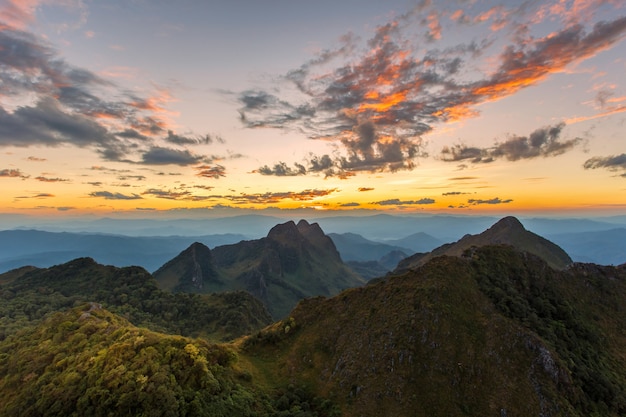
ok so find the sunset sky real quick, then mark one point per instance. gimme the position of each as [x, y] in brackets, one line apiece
[137, 107]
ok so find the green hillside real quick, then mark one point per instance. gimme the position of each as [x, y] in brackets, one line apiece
[29, 294]
[90, 362]
[494, 332]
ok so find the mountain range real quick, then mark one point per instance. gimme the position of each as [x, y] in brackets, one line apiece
[499, 323]
[291, 263]
[150, 243]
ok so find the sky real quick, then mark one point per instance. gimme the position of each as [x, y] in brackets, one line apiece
[186, 108]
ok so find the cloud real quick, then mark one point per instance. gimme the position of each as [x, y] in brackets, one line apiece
[374, 105]
[36, 159]
[542, 142]
[496, 200]
[72, 105]
[131, 177]
[170, 195]
[350, 205]
[208, 171]
[39, 195]
[107, 195]
[282, 170]
[363, 189]
[12, 173]
[453, 193]
[158, 155]
[189, 140]
[46, 179]
[398, 202]
[612, 163]
[276, 197]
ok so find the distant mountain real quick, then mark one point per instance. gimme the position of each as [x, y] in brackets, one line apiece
[29, 294]
[495, 333]
[417, 242]
[44, 249]
[507, 231]
[605, 247]
[354, 247]
[291, 263]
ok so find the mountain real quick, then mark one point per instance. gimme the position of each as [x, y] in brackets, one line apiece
[417, 242]
[495, 333]
[354, 247]
[492, 331]
[604, 247]
[44, 249]
[88, 361]
[29, 294]
[507, 231]
[292, 262]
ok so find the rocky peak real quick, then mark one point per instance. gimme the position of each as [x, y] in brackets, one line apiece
[310, 230]
[284, 232]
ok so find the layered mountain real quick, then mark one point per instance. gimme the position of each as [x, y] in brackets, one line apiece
[292, 262]
[45, 249]
[507, 231]
[29, 294]
[497, 332]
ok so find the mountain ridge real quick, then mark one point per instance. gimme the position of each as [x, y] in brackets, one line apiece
[292, 262]
[507, 231]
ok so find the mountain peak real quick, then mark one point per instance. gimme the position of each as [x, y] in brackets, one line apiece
[507, 231]
[288, 231]
[312, 230]
[509, 223]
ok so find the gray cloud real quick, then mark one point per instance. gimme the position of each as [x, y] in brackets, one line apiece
[496, 200]
[158, 155]
[12, 173]
[542, 142]
[612, 163]
[71, 108]
[208, 171]
[107, 195]
[398, 202]
[282, 170]
[191, 140]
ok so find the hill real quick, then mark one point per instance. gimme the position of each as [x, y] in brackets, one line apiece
[29, 294]
[508, 231]
[90, 362]
[493, 332]
[291, 263]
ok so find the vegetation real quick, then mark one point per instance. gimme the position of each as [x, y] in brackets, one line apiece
[569, 311]
[494, 332]
[130, 292]
[89, 362]
[489, 331]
